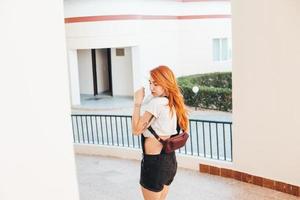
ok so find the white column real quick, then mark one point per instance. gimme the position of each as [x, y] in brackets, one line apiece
[74, 77]
[266, 84]
[138, 80]
[36, 145]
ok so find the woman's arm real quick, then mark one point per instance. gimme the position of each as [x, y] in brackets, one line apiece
[139, 123]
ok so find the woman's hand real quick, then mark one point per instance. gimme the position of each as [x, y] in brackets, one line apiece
[139, 95]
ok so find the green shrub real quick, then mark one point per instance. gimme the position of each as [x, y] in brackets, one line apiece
[216, 79]
[214, 90]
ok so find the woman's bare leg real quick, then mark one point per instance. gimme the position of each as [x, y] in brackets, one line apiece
[149, 195]
[164, 193]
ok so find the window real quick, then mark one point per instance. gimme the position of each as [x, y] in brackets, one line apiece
[221, 49]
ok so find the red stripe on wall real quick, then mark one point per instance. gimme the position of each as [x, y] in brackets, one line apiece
[158, 17]
[139, 17]
[204, 16]
[101, 18]
[200, 0]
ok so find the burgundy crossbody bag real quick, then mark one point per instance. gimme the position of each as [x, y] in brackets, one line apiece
[174, 142]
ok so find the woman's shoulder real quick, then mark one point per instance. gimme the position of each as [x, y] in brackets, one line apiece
[160, 100]
[156, 105]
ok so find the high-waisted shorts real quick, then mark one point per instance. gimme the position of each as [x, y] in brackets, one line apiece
[157, 171]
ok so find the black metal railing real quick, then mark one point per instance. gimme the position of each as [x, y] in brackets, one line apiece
[209, 139]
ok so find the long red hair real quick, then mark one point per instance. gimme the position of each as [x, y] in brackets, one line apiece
[164, 77]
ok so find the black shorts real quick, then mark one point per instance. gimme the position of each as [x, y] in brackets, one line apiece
[157, 171]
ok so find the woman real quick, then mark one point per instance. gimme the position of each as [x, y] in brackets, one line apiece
[163, 112]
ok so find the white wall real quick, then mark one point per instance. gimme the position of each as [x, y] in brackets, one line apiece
[196, 45]
[73, 77]
[75, 8]
[85, 71]
[158, 45]
[36, 148]
[122, 80]
[103, 34]
[266, 68]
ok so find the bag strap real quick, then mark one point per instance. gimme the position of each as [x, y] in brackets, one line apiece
[157, 137]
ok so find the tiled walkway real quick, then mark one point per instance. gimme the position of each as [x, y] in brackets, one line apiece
[107, 178]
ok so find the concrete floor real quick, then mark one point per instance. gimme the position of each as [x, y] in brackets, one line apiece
[104, 104]
[108, 178]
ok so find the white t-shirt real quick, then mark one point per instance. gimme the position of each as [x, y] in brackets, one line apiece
[164, 124]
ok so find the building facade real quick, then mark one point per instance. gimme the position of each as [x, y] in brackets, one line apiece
[128, 38]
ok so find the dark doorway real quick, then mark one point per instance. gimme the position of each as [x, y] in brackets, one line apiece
[97, 78]
[94, 66]
[110, 90]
